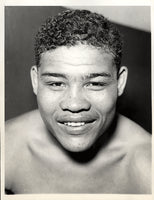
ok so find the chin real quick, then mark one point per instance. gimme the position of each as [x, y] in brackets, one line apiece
[77, 147]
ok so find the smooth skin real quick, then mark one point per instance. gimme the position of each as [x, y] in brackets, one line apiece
[76, 142]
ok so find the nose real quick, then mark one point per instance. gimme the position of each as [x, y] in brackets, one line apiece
[75, 101]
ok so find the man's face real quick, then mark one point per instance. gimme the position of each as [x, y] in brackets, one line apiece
[77, 93]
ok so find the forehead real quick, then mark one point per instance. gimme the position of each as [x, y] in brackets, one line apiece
[80, 56]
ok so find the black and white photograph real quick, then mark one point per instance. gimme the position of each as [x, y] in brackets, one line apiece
[78, 100]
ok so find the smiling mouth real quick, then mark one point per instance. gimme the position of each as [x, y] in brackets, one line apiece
[76, 124]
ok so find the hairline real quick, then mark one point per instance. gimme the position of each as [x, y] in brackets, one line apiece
[99, 48]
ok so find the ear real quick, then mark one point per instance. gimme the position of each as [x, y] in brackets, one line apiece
[34, 78]
[122, 79]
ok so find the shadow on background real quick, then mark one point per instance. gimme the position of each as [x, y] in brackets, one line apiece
[21, 25]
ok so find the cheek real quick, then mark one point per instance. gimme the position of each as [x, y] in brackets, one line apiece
[104, 101]
[47, 100]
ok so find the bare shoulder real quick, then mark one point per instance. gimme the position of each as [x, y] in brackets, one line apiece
[140, 167]
[19, 129]
[22, 128]
[21, 121]
[138, 140]
[139, 154]
[133, 131]
[17, 133]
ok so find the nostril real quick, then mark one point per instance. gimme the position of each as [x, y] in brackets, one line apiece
[75, 105]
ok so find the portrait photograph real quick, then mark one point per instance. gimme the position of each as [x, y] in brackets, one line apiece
[77, 101]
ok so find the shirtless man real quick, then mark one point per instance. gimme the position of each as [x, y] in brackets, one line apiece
[76, 142]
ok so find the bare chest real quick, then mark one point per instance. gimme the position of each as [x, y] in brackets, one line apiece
[39, 178]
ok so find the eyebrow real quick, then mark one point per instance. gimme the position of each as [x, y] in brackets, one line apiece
[48, 74]
[87, 76]
[94, 75]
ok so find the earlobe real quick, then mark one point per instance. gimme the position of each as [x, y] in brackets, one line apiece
[34, 78]
[122, 79]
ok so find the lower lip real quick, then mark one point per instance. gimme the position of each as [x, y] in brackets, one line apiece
[77, 130]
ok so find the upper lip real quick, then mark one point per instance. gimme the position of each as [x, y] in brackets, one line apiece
[86, 119]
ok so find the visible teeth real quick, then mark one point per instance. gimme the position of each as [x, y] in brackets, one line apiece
[74, 123]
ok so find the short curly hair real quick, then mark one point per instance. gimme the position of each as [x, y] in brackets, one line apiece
[73, 27]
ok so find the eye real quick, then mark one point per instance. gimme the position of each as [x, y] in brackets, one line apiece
[56, 85]
[95, 85]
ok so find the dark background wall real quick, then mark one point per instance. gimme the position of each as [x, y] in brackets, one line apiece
[21, 25]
